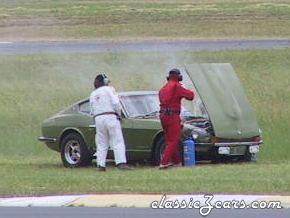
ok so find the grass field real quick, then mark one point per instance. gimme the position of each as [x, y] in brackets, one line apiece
[133, 19]
[33, 87]
[39, 177]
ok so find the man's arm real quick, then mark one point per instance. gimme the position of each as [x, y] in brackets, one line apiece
[91, 105]
[185, 93]
[115, 101]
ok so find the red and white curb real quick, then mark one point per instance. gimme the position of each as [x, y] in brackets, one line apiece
[132, 200]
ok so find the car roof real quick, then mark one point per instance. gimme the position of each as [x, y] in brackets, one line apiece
[128, 93]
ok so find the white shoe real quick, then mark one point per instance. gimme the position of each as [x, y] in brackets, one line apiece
[166, 166]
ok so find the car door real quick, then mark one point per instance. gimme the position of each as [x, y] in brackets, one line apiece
[89, 130]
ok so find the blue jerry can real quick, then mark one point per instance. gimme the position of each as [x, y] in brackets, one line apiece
[188, 152]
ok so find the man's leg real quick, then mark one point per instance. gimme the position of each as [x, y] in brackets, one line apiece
[166, 122]
[172, 137]
[166, 152]
[176, 148]
[117, 140]
[102, 141]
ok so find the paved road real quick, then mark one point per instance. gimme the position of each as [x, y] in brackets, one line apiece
[152, 46]
[70, 212]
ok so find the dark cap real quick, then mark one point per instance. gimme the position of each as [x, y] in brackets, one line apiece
[101, 80]
[174, 71]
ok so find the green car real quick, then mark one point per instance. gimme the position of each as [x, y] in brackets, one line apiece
[220, 120]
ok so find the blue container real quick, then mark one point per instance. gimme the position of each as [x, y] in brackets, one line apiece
[189, 152]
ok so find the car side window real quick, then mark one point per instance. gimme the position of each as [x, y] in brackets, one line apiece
[85, 107]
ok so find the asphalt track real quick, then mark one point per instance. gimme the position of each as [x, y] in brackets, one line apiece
[73, 212]
[139, 46]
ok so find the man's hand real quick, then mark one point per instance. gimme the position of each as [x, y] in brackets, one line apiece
[119, 117]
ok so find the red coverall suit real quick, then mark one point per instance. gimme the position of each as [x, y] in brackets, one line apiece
[170, 97]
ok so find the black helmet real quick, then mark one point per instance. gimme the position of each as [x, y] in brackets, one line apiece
[176, 72]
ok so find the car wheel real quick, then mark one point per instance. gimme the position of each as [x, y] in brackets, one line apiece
[220, 159]
[158, 150]
[74, 152]
[248, 157]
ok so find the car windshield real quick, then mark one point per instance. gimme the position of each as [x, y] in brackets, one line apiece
[140, 105]
[147, 105]
[84, 107]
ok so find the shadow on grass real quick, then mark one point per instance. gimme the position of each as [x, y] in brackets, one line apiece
[57, 165]
[32, 165]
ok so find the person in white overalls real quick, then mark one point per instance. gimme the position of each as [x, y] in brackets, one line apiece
[106, 109]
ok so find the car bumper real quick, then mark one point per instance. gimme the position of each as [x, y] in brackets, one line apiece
[46, 139]
[237, 143]
[238, 148]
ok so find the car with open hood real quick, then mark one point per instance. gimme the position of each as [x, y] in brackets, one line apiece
[220, 120]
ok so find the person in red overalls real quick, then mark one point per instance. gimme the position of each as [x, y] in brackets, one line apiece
[170, 97]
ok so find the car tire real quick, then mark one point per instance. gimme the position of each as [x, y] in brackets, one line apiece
[216, 160]
[158, 150]
[74, 152]
[248, 157]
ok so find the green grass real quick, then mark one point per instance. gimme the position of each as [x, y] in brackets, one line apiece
[34, 87]
[75, 19]
[38, 177]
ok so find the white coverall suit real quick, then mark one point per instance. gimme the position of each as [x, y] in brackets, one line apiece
[108, 127]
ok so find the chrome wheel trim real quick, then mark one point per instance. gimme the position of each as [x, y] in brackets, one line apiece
[72, 152]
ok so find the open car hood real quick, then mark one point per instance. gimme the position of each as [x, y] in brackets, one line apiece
[225, 101]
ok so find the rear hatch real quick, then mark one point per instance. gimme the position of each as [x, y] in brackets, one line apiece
[228, 108]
